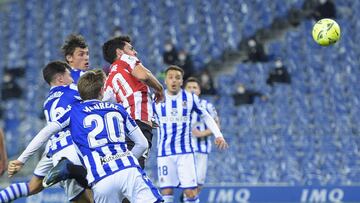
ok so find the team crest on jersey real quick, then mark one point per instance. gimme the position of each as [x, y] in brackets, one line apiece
[173, 112]
[113, 68]
[184, 104]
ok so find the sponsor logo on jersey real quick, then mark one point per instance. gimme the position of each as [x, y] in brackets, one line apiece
[108, 158]
[174, 119]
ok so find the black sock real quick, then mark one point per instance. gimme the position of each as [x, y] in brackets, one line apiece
[78, 173]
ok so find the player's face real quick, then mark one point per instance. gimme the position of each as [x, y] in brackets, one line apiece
[129, 49]
[173, 81]
[193, 87]
[79, 59]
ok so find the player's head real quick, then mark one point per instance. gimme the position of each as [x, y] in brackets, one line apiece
[192, 84]
[76, 52]
[174, 79]
[57, 73]
[90, 85]
[115, 47]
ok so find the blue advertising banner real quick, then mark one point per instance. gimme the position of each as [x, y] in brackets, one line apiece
[279, 194]
[241, 194]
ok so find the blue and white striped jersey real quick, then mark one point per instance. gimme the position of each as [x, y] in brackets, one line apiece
[76, 74]
[174, 116]
[98, 130]
[203, 144]
[55, 105]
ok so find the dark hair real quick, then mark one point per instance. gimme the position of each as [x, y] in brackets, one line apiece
[90, 84]
[53, 68]
[72, 42]
[192, 79]
[109, 47]
[174, 67]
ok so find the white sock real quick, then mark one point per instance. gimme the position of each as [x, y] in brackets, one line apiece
[191, 200]
[168, 198]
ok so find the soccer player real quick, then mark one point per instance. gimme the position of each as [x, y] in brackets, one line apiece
[3, 153]
[62, 93]
[98, 129]
[200, 132]
[176, 163]
[76, 54]
[128, 84]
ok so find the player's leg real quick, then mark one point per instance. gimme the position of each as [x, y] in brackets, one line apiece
[167, 176]
[139, 187]
[82, 198]
[67, 165]
[64, 170]
[131, 183]
[34, 186]
[201, 160]
[74, 191]
[147, 131]
[18, 190]
[108, 189]
[191, 195]
[187, 177]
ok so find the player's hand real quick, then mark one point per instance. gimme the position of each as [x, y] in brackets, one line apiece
[221, 143]
[159, 96]
[14, 167]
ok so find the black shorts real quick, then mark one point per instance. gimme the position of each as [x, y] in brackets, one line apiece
[147, 131]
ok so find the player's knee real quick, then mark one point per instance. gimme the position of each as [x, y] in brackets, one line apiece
[191, 193]
[84, 197]
[166, 191]
[35, 185]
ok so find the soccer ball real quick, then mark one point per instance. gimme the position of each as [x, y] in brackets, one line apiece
[326, 32]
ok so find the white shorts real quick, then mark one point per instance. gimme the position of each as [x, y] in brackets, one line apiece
[70, 153]
[44, 165]
[201, 160]
[177, 171]
[131, 183]
[71, 186]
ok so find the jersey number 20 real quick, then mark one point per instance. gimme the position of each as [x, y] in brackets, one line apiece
[108, 122]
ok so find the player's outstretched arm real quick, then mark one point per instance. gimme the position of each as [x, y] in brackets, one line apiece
[199, 133]
[212, 125]
[220, 142]
[204, 133]
[41, 138]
